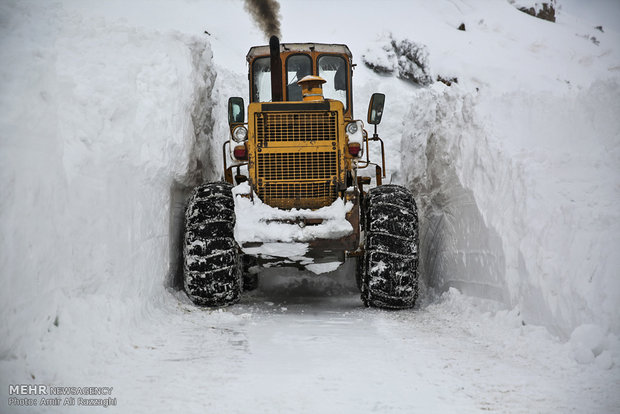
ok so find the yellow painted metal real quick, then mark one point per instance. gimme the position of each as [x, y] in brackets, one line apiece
[311, 89]
[297, 157]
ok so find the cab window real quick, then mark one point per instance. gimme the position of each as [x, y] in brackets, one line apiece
[261, 80]
[334, 70]
[297, 66]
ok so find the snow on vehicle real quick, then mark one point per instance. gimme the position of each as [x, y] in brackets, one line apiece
[291, 192]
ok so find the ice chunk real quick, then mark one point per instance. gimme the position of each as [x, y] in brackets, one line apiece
[318, 268]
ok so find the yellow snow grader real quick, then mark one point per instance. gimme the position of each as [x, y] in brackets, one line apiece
[299, 186]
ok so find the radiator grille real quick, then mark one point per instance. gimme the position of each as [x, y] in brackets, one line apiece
[312, 126]
[302, 174]
[299, 195]
[297, 165]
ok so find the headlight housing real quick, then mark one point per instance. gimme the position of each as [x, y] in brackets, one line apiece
[352, 128]
[240, 133]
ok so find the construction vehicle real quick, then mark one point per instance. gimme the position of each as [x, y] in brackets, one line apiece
[299, 186]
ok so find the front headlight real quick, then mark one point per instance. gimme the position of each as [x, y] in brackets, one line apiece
[240, 133]
[351, 128]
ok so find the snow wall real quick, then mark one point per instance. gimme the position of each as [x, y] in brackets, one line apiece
[518, 199]
[103, 126]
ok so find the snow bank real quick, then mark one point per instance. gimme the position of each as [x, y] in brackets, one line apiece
[515, 166]
[101, 125]
[519, 196]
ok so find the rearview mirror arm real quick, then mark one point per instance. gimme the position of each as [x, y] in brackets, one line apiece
[375, 137]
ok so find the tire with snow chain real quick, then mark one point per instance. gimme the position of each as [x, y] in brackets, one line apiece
[388, 270]
[211, 259]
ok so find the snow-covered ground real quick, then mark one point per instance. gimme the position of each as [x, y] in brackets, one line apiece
[110, 111]
[297, 350]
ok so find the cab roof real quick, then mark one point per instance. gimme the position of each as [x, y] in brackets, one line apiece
[299, 47]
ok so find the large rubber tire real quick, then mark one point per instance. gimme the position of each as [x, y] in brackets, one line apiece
[212, 270]
[389, 266]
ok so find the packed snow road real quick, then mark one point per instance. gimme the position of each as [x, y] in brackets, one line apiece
[308, 347]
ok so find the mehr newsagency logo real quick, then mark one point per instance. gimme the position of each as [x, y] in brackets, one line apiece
[50, 395]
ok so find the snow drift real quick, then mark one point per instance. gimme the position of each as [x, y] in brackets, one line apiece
[526, 213]
[101, 124]
[515, 165]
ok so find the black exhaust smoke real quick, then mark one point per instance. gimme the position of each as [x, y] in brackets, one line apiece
[266, 14]
[276, 69]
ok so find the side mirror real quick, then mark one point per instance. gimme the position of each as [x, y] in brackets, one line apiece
[236, 110]
[375, 108]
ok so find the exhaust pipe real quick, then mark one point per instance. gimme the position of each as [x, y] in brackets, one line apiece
[276, 69]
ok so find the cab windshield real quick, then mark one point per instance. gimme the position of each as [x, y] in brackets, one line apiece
[332, 68]
[297, 67]
[261, 80]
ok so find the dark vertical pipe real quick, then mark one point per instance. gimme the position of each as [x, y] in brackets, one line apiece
[276, 69]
